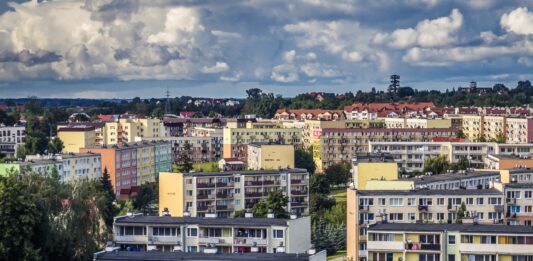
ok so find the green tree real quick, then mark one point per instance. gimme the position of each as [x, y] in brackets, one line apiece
[462, 164]
[148, 195]
[184, 163]
[55, 146]
[339, 173]
[461, 213]
[436, 165]
[304, 159]
[107, 199]
[275, 201]
[319, 184]
[336, 214]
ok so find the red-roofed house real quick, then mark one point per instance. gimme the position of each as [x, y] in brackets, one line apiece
[312, 114]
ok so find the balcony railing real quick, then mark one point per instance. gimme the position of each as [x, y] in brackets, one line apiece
[202, 208]
[166, 239]
[298, 192]
[298, 204]
[296, 181]
[253, 183]
[422, 246]
[139, 238]
[255, 194]
[422, 208]
[205, 185]
[249, 241]
[210, 240]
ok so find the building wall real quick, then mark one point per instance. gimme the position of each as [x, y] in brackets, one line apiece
[352, 226]
[108, 161]
[363, 172]
[171, 193]
[74, 140]
[298, 235]
[271, 157]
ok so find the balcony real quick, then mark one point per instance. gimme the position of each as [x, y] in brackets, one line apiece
[249, 241]
[202, 208]
[298, 204]
[499, 208]
[255, 194]
[222, 207]
[132, 239]
[396, 246]
[270, 182]
[364, 208]
[296, 181]
[253, 183]
[205, 185]
[511, 201]
[298, 192]
[166, 239]
[493, 248]
[211, 240]
[223, 184]
[422, 247]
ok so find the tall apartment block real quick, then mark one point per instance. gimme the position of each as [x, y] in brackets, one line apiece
[132, 164]
[202, 149]
[11, 137]
[223, 193]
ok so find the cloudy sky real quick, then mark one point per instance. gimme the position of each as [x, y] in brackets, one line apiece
[214, 48]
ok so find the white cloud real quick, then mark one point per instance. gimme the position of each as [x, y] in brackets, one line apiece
[427, 33]
[318, 70]
[217, 68]
[352, 56]
[285, 73]
[288, 57]
[519, 21]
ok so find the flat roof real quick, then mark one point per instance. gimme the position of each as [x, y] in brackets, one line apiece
[451, 177]
[129, 145]
[246, 172]
[465, 228]
[373, 157]
[430, 192]
[519, 185]
[172, 256]
[169, 220]
[393, 130]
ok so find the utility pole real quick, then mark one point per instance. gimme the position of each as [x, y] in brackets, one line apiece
[167, 105]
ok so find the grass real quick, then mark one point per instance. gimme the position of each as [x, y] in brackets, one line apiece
[339, 195]
[337, 255]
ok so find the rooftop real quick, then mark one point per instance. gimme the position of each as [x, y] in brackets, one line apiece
[422, 180]
[168, 256]
[373, 157]
[168, 220]
[519, 185]
[394, 130]
[246, 172]
[465, 228]
[128, 145]
[428, 192]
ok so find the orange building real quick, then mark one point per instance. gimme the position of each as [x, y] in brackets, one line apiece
[508, 162]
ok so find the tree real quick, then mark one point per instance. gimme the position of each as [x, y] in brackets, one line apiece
[304, 159]
[318, 203]
[462, 164]
[318, 184]
[107, 206]
[275, 201]
[461, 213]
[339, 173]
[336, 214]
[55, 146]
[436, 165]
[148, 194]
[184, 161]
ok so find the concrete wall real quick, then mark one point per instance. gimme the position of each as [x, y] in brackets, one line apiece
[364, 172]
[74, 140]
[299, 235]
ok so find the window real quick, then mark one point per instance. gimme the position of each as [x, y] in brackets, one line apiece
[411, 202]
[192, 249]
[479, 201]
[382, 202]
[192, 232]
[398, 202]
[451, 239]
[440, 216]
[237, 191]
[189, 193]
[440, 201]
[488, 239]
[381, 237]
[277, 233]
[467, 239]
[527, 194]
[132, 231]
[164, 231]
[428, 257]
[495, 201]
[237, 202]
[451, 257]
[522, 258]
[411, 216]
[469, 201]
[366, 202]
[513, 194]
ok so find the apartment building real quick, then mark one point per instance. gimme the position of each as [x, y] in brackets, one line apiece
[413, 123]
[372, 166]
[11, 137]
[393, 241]
[132, 164]
[519, 203]
[177, 127]
[127, 130]
[309, 114]
[213, 235]
[341, 144]
[199, 149]
[270, 156]
[41, 166]
[508, 162]
[519, 130]
[112, 254]
[367, 207]
[236, 140]
[412, 155]
[223, 193]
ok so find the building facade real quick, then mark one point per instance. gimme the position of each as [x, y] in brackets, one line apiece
[11, 137]
[270, 156]
[223, 193]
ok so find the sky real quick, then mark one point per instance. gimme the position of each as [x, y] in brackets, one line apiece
[213, 48]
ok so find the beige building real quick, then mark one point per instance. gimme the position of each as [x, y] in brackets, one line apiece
[132, 130]
[76, 137]
[270, 156]
[393, 123]
[224, 193]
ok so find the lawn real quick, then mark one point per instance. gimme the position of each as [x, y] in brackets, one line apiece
[339, 195]
[341, 253]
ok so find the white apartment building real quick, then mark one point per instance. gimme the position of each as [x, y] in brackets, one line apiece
[11, 137]
[73, 166]
[212, 235]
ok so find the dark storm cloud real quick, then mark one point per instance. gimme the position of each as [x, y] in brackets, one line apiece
[28, 58]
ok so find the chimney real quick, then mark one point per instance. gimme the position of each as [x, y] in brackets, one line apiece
[270, 213]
